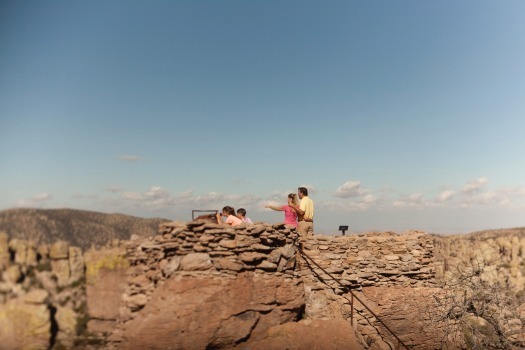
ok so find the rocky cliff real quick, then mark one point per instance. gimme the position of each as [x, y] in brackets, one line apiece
[197, 285]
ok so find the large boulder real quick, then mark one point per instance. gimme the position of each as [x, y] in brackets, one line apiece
[76, 264]
[66, 320]
[200, 313]
[59, 250]
[24, 325]
[105, 282]
[4, 250]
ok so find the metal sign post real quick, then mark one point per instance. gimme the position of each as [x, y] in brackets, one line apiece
[343, 228]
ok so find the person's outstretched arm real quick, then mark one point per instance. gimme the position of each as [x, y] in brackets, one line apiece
[274, 207]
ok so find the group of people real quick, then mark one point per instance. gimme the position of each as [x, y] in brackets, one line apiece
[228, 213]
[299, 214]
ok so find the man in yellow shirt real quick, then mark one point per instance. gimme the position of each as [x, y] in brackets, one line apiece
[305, 214]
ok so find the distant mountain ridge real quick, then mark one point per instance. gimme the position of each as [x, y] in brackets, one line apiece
[80, 228]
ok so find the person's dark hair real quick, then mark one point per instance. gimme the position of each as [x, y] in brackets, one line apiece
[303, 190]
[241, 211]
[229, 210]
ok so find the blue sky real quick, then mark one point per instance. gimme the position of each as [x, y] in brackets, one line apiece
[396, 114]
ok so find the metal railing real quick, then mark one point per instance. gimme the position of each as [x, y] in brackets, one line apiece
[202, 211]
[351, 300]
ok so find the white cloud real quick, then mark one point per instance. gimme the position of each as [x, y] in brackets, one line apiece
[474, 186]
[344, 207]
[495, 198]
[474, 193]
[157, 192]
[160, 199]
[37, 200]
[413, 200]
[369, 199]
[349, 189]
[446, 196]
[129, 158]
[186, 194]
[155, 198]
[366, 202]
[132, 196]
[42, 197]
[349, 197]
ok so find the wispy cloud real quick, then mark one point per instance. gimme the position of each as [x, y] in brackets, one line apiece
[37, 200]
[475, 193]
[474, 186]
[349, 197]
[495, 198]
[446, 196]
[369, 199]
[352, 197]
[367, 202]
[350, 189]
[155, 198]
[129, 158]
[413, 200]
[158, 199]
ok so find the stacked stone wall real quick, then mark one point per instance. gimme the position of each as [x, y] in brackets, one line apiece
[101, 290]
[200, 248]
[372, 259]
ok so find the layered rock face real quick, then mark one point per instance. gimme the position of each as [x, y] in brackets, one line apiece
[207, 285]
[502, 254]
[106, 281]
[408, 312]
[25, 322]
[489, 268]
[334, 334]
[53, 295]
[199, 285]
[201, 313]
[42, 298]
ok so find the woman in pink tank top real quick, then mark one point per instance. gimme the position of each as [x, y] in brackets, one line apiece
[290, 216]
